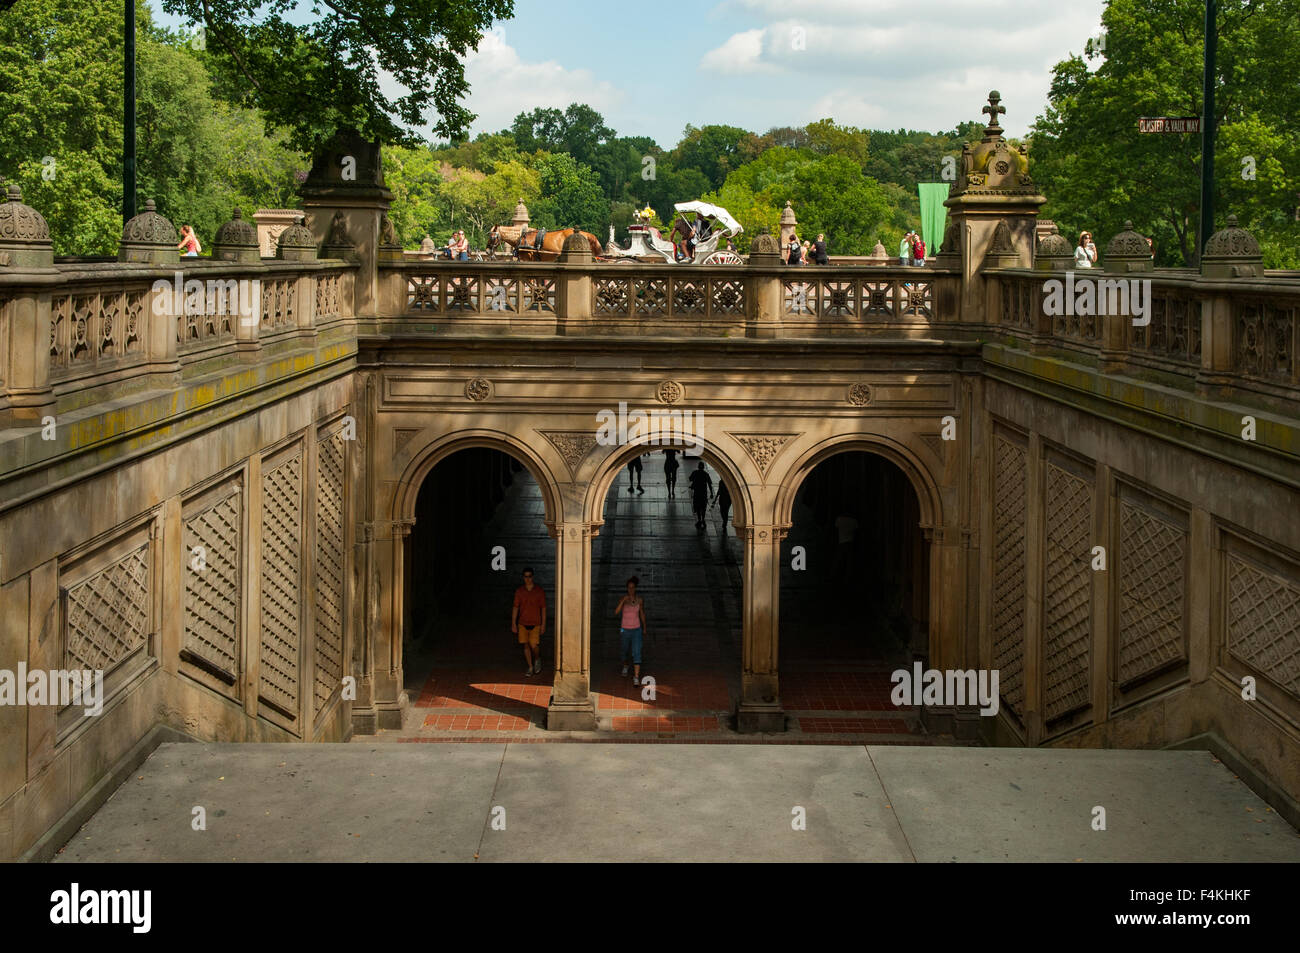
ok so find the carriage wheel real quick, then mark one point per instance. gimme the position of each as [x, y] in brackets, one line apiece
[723, 258]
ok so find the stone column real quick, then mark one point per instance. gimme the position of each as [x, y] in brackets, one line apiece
[763, 290]
[760, 698]
[1230, 253]
[347, 180]
[25, 246]
[572, 708]
[574, 289]
[788, 225]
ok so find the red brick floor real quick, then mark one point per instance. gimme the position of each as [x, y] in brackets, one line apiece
[466, 681]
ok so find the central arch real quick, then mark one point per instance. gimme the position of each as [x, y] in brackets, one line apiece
[693, 581]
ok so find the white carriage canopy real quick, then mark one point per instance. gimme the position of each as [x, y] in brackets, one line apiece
[715, 212]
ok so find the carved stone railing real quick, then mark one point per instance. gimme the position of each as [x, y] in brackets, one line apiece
[687, 300]
[79, 330]
[1240, 333]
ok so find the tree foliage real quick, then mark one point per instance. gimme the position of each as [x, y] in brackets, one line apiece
[1097, 169]
[325, 74]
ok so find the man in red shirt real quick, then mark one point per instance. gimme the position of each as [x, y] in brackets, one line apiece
[528, 620]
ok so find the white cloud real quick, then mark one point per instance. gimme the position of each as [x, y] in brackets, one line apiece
[887, 65]
[502, 85]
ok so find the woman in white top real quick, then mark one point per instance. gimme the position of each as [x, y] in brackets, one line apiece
[1085, 253]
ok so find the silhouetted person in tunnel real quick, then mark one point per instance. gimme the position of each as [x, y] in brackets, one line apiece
[670, 471]
[701, 491]
[724, 504]
[634, 475]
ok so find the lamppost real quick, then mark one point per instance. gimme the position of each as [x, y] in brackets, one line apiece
[128, 117]
[1207, 126]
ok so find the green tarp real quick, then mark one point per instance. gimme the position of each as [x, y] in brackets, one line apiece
[934, 216]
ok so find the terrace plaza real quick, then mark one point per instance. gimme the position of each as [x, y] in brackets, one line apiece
[304, 521]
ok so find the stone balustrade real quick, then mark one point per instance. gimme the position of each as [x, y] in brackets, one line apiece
[1240, 332]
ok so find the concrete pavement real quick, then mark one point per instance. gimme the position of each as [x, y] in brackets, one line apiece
[554, 802]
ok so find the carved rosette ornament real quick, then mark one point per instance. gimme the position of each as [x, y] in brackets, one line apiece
[763, 448]
[1232, 253]
[24, 234]
[860, 394]
[670, 392]
[572, 445]
[478, 388]
[149, 238]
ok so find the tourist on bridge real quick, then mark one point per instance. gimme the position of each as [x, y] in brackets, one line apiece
[670, 471]
[1085, 254]
[701, 492]
[796, 253]
[634, 475]
[190, 242]
[528, 621]
[630, 612]
[819, 249]
[905, 249]
[918, 250]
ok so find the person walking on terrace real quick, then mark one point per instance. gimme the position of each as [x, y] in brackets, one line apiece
[701, 491]
[634, 475]
[528, 621]
[670, 472]
[905, 249]
[630, 612]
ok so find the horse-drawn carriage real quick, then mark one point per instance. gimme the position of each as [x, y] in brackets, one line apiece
[688, 242]
[691, 241]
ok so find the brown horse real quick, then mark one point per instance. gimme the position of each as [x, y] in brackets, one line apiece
[522, 240]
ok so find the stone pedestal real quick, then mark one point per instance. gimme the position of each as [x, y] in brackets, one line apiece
[270, 223]
[345, 194]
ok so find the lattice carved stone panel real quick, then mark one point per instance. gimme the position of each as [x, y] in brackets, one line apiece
[1067, 596]
[1152, 591]
[281, 614]
[213, 586]
[108, 614]
[331, 566]
[1264, 620]
[1010, 500]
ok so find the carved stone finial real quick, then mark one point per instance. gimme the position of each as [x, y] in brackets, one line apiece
[236, 240]
[1232, 252]
[24, 234]
[1127, 251]
[993, 110]
[787, 214]
[296, 243]
[149, 238]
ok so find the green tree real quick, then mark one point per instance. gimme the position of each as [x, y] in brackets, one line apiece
[1097, 170]
[570, 195]
[331, 71]
[713, 150]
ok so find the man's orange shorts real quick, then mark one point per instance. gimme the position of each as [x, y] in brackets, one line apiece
[530, 634]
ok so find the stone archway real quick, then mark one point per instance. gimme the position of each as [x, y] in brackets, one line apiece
[387, 570]
[705, 619]
[928, 497]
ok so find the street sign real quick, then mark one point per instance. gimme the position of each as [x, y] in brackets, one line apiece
[1169, 124]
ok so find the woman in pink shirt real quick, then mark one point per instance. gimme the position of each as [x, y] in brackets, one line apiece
[190, 242]
[630, 612]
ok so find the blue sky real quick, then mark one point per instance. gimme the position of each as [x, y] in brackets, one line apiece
[651, 68]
